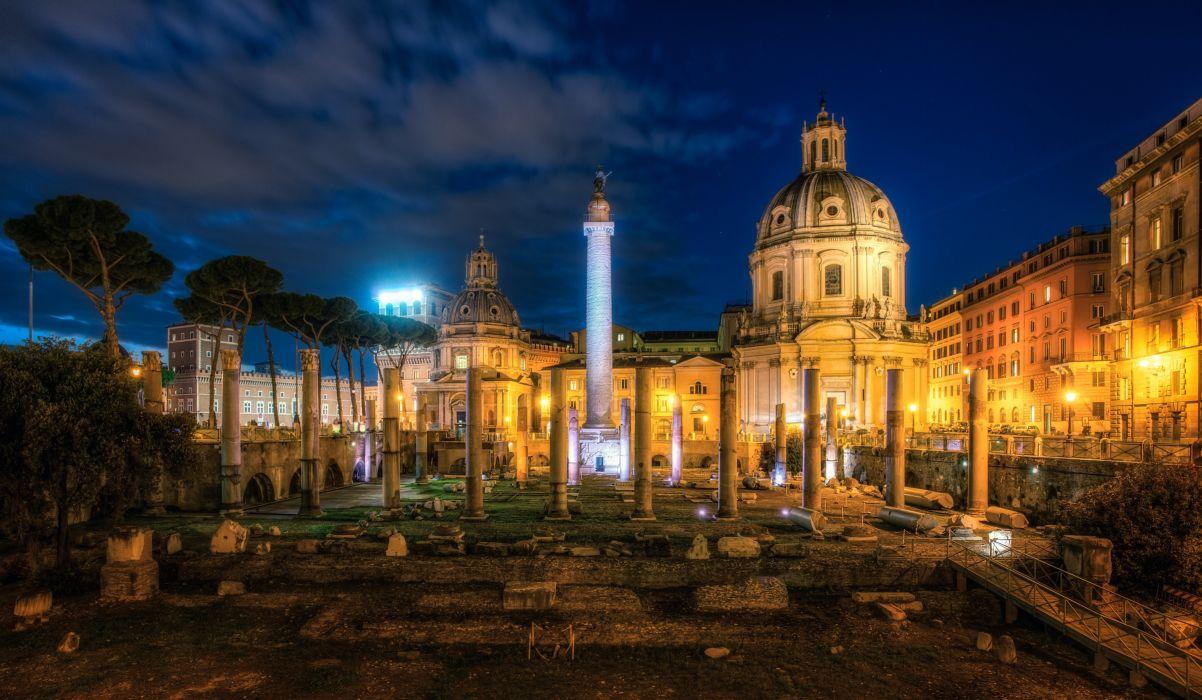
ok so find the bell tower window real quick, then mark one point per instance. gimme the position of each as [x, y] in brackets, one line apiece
[826, 151]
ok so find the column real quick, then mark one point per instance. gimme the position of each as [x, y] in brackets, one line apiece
[781, 436]
[643, 509]
[521, 450]
[895, 440]
[677, 441]
[369, 440]
[978, 444]
[152, 390]
[811, 455]
[231, 434]
[728, 434]
[421, 473]
[853, 403]
[473, 505]
[832, 448]
[310, 415]
[599, 316]
[557, 503]
[868, 414]
[573, 448]
[392, 440]
[624, 457]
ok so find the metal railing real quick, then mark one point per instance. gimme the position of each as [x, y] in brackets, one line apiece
[1040, 446]
[1125, 630]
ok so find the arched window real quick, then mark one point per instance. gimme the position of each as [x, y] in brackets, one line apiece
[833, 280]
[778, 285]
[813, 153]
[402, 309]
[826, 151]
[431, 308]
[697, 388]
[388, 309]
[498, 358]
[886, 282]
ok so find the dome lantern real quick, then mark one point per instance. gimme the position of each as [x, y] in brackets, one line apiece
[481, 267]
[823, 143]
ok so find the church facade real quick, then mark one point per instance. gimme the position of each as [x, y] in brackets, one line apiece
[828, 276]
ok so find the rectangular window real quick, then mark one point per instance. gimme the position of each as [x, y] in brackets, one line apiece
[573, 385]
[1099, 410]
[1177, 228]
[1156, 177]
[246, 407]
[1014, 335]
[1097, 310]
[258, 407]
[1047, 293]
[461, 362]
[1063, 288]
[1177, 161]
[1098, 282]
[1001, 313]
[1154, 233]
[833, 280]
[698, 424]
[623, 383]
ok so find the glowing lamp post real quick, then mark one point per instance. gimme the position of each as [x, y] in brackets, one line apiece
[1069, 397]
[705, 427]
[913, 417]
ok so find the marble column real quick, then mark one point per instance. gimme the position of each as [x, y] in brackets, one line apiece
[895, 440]
[869, 413]
[599, 232]
[392, 440]
[369, 440]
[421, 448]
[728, 435]
[811, 448]
[231, 434]
[643, 509]
[573, 448]
[832, 430]
[557, 503]
[677, 442]
[473, 505]
[310, 432]
[624, 457]
[152, 391]
[521, 448]
[856, 386]
[781, 436]
[978, 444]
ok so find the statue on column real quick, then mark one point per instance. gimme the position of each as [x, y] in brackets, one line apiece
[599, 179]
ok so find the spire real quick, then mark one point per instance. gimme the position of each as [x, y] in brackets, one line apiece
[481, 267]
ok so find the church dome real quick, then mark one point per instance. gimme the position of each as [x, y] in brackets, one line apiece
[481, 301]
[825, 198]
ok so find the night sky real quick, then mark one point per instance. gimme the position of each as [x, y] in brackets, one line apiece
[363, 145]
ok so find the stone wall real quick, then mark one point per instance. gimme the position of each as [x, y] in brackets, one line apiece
[1037, 486]
[274, 462]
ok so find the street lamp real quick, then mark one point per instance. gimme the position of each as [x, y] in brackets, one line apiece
[705, 427]
[1070, 397]
[843, 418]
[913, 417]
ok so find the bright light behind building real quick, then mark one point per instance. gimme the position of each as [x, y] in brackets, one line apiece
[407, 295]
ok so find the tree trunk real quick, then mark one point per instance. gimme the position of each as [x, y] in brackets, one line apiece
[62, 545]
[362, 388]
[337, 365]
[275, 395]
[350, 378]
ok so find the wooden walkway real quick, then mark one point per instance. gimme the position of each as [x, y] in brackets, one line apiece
[1120, 629]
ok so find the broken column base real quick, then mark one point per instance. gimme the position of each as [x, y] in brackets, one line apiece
[811, 520]
[129, 580]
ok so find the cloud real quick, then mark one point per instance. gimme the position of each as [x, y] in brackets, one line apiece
[347, 143]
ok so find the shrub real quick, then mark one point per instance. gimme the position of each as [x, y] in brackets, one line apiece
[1153, 515]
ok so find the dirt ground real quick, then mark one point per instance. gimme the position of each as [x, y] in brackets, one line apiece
[195, 645]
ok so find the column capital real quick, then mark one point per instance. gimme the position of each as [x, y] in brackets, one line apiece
[151, 358]
[310, 360]
[811, 362]
[230, 360]
[892, 361]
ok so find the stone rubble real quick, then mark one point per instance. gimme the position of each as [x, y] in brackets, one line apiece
[230, 538]
[69, 643]
[397, 546]
[738, 547]
[984, 641]
[1004, 648]
[700, 548]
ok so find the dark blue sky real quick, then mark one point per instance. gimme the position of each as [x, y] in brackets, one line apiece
[361, 145]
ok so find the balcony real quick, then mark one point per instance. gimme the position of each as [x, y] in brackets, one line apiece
[1117, 321]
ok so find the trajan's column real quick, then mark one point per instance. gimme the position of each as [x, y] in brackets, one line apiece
[599, 230]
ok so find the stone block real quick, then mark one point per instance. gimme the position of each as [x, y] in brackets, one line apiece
[761, 594]
[717, 653]
[172, 544]
[129, 580]
[33, 606]
[69, 643]
[1004, 648]
[891, 612]
[130, 544]
[1087, 557]
[865, 597]
[738, 547]
[308, 547]
[700, 548]
[1005, 517]
[397, 546]
[984, 641]
[930, 500]
[225, 588]
[529, 595]
[230, 538]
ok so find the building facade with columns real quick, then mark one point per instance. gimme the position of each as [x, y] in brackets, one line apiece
[828, 276]
[948, 393]
[1155, 270]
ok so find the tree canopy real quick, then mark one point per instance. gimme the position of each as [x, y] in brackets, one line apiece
[73, 437]
[307, 317]
[86, 242]
[232, 286]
